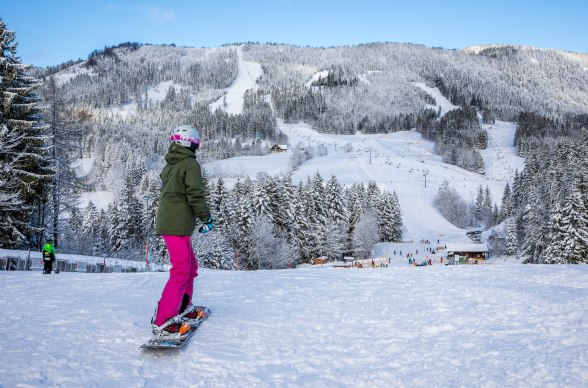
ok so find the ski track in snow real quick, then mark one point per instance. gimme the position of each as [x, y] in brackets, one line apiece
[248, 73]
[495, 326]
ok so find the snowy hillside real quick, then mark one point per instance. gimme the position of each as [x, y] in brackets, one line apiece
[492, 326]
[398, 163]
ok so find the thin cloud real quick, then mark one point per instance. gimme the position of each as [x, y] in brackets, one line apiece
[158, 15]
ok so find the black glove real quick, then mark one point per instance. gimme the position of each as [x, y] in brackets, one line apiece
[207, 225]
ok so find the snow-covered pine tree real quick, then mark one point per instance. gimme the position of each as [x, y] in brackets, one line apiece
[315, 210]
[387, 218]
[356, 206]
[396, 232]
[268, 251]
[260, 201]
[335, 241]
[506, 206]
[117, 237]
[29, 169]
[372, 195]
[479, 204]
[574, 224]
[365, 234]
[89, 233]
[284, 212]
[219, 204]
[301, 227]
[241, 232]
[533, 242]
[72, 233]
[336, 202]
[553, 253]
[487, 208]
[511, 237]
[214, 250]
[10, 198]
[477, 161]
[130, 213]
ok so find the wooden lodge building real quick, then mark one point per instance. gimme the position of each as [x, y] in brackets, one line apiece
[279, 148]
[466, 253]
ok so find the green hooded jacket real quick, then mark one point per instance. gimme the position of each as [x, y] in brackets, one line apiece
[48, 248]
[182, 199]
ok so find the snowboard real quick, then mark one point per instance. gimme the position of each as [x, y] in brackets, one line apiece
[177, 342]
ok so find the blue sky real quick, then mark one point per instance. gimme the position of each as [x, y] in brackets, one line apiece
[50, 32]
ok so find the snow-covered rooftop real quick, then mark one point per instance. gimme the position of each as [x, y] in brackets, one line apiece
[453, 247]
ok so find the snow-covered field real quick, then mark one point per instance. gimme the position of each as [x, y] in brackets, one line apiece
[493, 326]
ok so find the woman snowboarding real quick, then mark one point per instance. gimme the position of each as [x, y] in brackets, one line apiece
[182, 203]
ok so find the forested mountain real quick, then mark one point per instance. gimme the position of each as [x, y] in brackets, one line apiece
[115, 109]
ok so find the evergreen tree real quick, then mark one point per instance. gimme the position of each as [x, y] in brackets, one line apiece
[285, 212]
[335, 242]
[388, 218]
[553, 253]
[574, 223]
[267, 250]
[365, 235]
[219, 204]
[479, 203]
[25, 164]
[335, 202]
[214, 250]
[261, 202]
[533, 244]
[511, 237]
[396, 232]
[506, 208]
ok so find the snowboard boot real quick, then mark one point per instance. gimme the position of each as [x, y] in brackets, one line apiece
[173, 327]
[192, 314]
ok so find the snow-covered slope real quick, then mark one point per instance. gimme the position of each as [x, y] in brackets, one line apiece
[494, 326]
[440, 99]
[397, 162]
[232, 101]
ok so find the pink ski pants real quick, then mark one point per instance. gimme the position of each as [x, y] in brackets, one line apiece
[181, 277]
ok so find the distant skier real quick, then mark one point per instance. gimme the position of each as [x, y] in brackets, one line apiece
[48, 256]
[182, 203]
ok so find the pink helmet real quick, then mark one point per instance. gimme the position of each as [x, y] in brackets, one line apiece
[185, 135]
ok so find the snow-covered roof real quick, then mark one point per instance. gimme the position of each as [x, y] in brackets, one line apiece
[454, 247]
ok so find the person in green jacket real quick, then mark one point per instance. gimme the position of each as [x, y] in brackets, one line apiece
[48, 256]
[182, 204]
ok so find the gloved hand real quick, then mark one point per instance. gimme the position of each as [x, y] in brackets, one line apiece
[207, 225]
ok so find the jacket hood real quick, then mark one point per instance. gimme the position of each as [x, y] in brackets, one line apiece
[177, 152]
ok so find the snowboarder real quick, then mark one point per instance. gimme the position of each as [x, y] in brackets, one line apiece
[182, 203]
[48, 256]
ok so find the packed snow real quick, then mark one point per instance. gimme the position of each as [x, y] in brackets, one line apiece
[493, 325]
